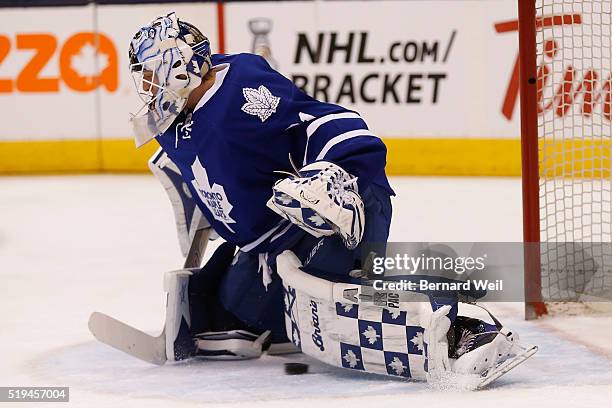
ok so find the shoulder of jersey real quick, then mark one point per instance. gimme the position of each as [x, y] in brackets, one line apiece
[236, 58]
[229, 99]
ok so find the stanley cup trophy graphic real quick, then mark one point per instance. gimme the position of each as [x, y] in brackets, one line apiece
[260, 28]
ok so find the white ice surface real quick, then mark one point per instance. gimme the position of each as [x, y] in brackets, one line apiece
[72, 245]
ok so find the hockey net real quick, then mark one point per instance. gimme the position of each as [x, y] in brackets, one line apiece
[566, 60]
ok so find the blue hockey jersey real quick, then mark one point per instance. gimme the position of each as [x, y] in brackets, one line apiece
[244, 129]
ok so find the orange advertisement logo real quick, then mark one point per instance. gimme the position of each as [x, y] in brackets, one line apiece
[87, 60]
[575, 90]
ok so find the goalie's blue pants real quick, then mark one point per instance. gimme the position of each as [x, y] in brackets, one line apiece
[241, 291]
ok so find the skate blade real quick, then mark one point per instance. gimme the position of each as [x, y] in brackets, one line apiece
[506, 366]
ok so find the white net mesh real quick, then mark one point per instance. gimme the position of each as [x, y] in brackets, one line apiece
[574, 57]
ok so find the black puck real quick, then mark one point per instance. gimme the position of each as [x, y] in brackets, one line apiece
[296, 368]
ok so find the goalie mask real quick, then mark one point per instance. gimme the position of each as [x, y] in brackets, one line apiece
[168, 59]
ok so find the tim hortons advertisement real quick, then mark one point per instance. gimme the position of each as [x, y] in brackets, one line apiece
[573, 70]
[421, 69]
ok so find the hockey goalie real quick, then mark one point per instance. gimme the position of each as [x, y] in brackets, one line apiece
[295, 187]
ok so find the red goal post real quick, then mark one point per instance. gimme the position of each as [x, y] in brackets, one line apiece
[565, 86]
[529, 156]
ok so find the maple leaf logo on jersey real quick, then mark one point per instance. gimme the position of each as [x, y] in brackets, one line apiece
[259, 102]
[213, 197]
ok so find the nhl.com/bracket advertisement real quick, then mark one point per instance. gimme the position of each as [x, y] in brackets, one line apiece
[397, 66]
[375, 86]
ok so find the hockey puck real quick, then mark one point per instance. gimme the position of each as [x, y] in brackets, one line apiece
[296, 368]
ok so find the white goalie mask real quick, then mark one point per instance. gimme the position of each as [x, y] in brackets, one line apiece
[168, 59]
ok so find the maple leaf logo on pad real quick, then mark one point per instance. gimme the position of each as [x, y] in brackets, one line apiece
[351, 359]
[418, 341]
[397, 366]
[371, 335]
[259, 102]
[296, 337]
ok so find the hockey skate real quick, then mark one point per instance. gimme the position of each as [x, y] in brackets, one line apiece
[475, 344]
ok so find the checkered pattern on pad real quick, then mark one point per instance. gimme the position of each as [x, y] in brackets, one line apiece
[380, 340]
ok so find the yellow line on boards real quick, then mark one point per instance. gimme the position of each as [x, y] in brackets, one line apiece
[405, 156]
[454, 157]
[74, 156]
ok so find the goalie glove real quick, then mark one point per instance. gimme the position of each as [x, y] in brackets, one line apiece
[322, 199]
